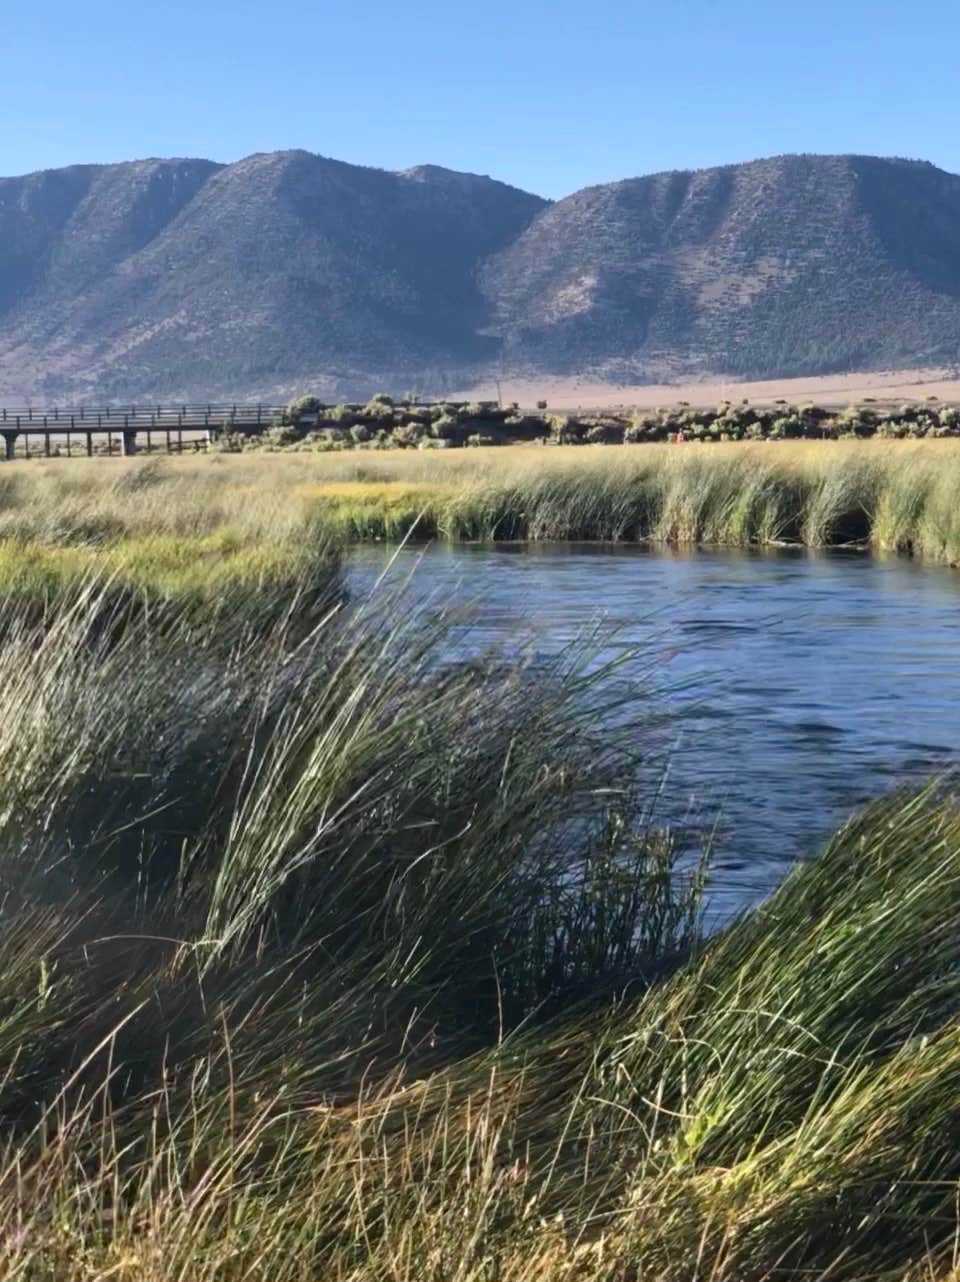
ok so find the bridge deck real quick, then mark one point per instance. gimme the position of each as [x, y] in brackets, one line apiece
[175, 427]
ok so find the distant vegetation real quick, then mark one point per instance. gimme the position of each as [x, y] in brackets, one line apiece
[387, 423]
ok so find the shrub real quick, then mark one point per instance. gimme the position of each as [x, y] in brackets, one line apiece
[566, 429]
[445, 428]
[415, 413]
[302, 406]
[279, 437]
[322, 442]
[229, 443]
[892, 430]
[378, 410]
[787, 426]
[359, 433]
[408, 434]
[727, 427]
[602, 433]
[644, 427]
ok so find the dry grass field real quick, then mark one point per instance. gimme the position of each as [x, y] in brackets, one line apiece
[886, 387]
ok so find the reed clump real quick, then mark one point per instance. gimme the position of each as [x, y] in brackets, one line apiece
[887, 497]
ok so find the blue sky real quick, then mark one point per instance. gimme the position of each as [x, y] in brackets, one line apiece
[551, 96]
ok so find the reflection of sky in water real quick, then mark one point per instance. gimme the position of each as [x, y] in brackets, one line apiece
[800, 684]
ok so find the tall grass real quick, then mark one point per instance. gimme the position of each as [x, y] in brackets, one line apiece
[159, 532]
[248, 875]
[322, 958]
[165, 523]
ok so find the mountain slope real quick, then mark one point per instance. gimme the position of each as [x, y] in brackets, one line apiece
[795, 265]
[174, 276]
[187, 278]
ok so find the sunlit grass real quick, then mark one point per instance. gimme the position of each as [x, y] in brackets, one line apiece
[167, 530]
[163, 564]
[360, 511]
[890, 495]
[887, 495]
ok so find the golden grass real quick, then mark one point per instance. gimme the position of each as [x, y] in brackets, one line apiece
[168, 526]
[166, 564]
[514, 463]
[209, 487]
[890, 495]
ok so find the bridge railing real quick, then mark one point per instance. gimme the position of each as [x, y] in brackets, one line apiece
[125, 428]
[97, 417]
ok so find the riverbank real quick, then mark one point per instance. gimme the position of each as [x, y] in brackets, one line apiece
[891, 497]
[172, 525]
[320, 960]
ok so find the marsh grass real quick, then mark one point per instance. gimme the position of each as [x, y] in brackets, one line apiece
[887, 496]
[159, 534]
[259, 516]
[324, 958]
[249, 876]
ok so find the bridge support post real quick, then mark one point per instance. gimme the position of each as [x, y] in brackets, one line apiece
[10, 442]
[128, 442]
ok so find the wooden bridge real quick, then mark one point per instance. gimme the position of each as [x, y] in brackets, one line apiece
[126, 429]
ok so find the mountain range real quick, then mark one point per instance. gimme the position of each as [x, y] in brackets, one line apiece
[288, 271]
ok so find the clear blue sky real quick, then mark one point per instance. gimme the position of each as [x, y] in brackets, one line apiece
[548, 94]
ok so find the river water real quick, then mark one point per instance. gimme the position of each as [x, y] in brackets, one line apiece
[799, 685]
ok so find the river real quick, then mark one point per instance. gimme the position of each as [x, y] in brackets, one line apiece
[799, 684]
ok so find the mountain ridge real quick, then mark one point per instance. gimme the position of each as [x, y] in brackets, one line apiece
[176, 276]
